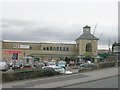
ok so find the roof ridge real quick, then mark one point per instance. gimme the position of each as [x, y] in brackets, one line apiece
[88, 36]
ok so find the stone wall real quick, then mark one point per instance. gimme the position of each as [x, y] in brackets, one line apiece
[82, 46]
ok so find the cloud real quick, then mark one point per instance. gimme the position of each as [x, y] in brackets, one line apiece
[20, 30]
[31, 31]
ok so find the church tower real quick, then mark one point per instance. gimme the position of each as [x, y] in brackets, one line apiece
[87, 45]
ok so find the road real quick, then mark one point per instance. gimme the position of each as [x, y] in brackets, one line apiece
[111, 82]
[65, 80]
[34, 82]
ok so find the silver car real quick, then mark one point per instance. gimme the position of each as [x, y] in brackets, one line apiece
[3, 65]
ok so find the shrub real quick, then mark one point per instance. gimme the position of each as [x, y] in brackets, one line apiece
[49, 72]
[27, 74]
[106, 64]
[87, 67]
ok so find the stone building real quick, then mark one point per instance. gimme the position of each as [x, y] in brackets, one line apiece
[86, 43]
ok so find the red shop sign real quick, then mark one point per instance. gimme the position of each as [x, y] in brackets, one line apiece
[13, 51]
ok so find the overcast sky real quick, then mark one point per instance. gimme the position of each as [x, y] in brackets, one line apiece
[59, 21]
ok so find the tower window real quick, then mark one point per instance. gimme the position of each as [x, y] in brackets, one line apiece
[88, 47]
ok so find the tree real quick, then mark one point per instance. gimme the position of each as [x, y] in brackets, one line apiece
[88, 55]
[67, 60]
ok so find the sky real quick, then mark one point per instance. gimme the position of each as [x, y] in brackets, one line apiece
[59, 21]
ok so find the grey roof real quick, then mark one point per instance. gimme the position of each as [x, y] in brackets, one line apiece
[87, 26]
[88, 36]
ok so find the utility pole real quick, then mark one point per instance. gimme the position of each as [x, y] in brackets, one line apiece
[109, 45]
[94, 29]
[100, 35]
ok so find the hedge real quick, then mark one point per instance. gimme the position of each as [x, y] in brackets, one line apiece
[84, 69]
[27, 74]
[106, 64]
[99, 66]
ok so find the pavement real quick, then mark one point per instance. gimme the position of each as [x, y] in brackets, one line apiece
[54, 82]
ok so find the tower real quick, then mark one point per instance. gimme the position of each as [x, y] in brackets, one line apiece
[87, 45]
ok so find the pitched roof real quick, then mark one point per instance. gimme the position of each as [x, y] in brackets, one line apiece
[87, 36]
[87, 26]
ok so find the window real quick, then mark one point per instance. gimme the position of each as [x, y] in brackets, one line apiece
[54, 49]
[15, 56]
[57, 48]
[88, 47]
[50, 48]
[67, 49]
[63, 48]
[60, 48]
[43, 48]
[30, 48]
[47, 48]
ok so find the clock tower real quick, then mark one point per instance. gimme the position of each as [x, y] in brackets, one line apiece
[86, 29]
[87, 44]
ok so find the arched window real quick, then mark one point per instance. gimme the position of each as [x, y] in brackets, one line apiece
[47, 48]
[67, 49]
[51, 48]
[43, 48]
[63, 48]
[88, 47]
[60, 48]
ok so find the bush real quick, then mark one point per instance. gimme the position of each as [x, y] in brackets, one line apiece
[27, 74]
[87, 67]
[49, 72]
[106, 64]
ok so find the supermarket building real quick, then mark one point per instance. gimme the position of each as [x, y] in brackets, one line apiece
[85, 43]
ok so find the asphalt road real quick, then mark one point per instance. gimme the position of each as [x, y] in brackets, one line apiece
[111, 82]
[32, 83]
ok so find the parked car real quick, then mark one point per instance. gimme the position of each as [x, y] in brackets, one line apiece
[28, 62]
[10, 64]
[4, 65]
[27, 65]
[72, 63]
[57, 69]
[40, 65]
[62, 64]
[87, 65]
[52, 64]
[68, 72]
[17, 65]
[46, 63]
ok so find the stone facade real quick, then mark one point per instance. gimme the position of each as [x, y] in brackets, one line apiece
[82, 46]
[87, 43]
[38, 50]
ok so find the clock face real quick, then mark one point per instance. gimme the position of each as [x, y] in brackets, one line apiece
[87, 30]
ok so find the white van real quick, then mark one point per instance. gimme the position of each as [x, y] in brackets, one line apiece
[27, 61]
[3, 65]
